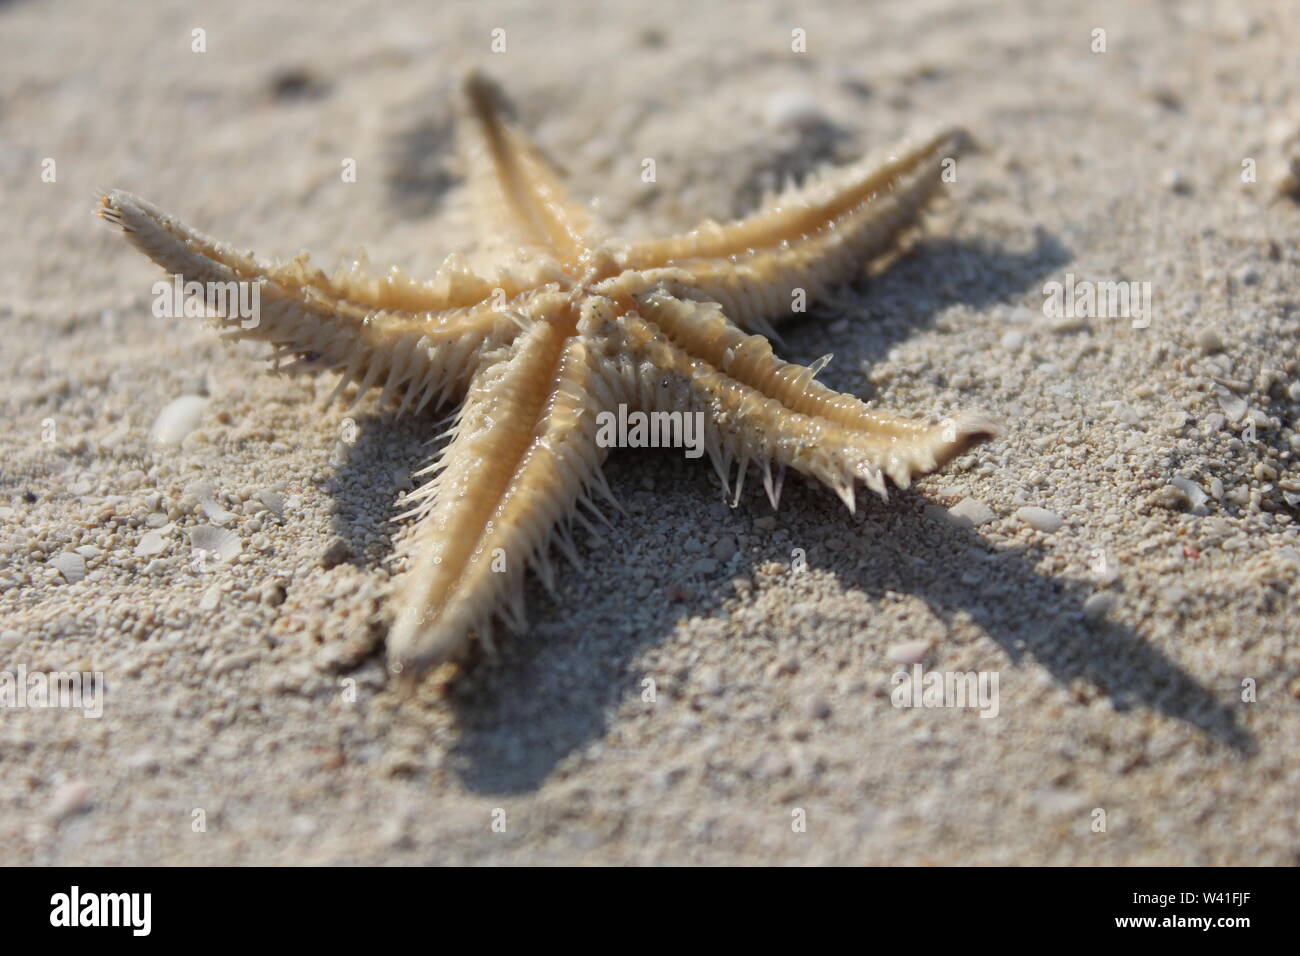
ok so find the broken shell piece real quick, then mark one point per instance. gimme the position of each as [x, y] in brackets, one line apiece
[274, 502]
[223, 545]
[207, 496]
[72, 566]
[177, 419]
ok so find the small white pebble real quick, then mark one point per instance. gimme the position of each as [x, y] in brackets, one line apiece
[1176, 182]
[1098, 606]
[1040, 519]
[971, 513]
[793, 108]
[1209, 341]
[70, 799]
[909, 652]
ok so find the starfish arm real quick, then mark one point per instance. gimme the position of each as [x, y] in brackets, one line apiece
[810, 239]
[522, 457]
[684, 354]
[420, 341]
[519, 194]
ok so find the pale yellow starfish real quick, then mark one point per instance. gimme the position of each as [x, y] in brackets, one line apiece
[578, 324]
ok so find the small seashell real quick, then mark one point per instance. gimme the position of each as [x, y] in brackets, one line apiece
[224, 545]
[177, 419]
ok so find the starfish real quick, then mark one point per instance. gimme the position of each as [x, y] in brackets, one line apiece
[571, 324]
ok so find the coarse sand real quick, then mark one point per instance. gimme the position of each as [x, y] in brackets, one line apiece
[716, 685]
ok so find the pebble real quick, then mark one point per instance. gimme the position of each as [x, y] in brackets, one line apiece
[909, 652]
[1098, 606]
[273, 592]
[1040, 519]
[971, 513]
[724, 549]
[793, 108]
[706, 566]
[69, 800]
[1058, 802]
[819, 709]
[145, 760]
[1176, 182]
[1209, 341]
[336, 552]
[178, 419]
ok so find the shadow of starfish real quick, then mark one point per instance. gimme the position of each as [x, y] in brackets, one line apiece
[551, 692]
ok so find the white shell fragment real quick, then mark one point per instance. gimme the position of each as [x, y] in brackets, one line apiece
[223, 545]
[150, 544]
[207, 496]
[211, 598]
[180, 417]
[72, 566]
[1191, 490]
[274, 502]
[1234, 406]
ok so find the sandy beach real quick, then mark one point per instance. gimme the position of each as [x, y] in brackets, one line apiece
[1117, 570]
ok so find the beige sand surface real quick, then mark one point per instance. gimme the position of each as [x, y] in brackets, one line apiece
[1121, 641]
